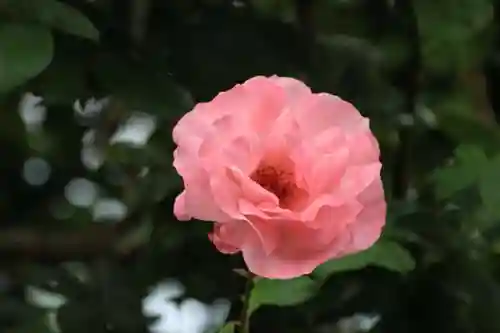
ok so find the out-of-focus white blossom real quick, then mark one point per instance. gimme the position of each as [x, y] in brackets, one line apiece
[81, 192]
[47, 300]
[32, 112]
[358, 323]
[92, 157]
[189, 316]
[36, 171]
[136, 131]
[44, 299]
[91, 108]
[108, 209]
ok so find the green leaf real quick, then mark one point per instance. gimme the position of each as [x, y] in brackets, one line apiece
[281, 292]
[384, 254]
[152, 91]
[466, 170]
[25, 51]
[466, 129]
[54, 14]
[452, 32]
[228, 328]
[282, 9]
[488, 187]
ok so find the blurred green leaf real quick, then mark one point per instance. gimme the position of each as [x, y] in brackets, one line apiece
[281, 292]
[465, 129]
[451, 32]
[469, 163]
[54, 14]
[228, 328]
[488, 186]
[63, 81]
[25, 51]
[153, 90]
[389, 255]
[352, 67]
[282, 9]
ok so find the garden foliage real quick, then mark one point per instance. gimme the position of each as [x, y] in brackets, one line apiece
[86, 208]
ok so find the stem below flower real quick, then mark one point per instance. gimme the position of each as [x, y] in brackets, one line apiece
[244, 317]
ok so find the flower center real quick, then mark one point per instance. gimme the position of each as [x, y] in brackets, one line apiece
[277, 180]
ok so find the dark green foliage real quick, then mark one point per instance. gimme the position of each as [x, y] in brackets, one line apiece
[425, 72]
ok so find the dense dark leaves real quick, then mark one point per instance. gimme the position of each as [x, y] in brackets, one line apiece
[415, 67]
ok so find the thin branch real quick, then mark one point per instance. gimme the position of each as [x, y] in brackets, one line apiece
[58, 245]
[139, 15]
[90, 242]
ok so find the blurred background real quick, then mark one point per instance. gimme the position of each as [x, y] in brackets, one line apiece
[90, 90]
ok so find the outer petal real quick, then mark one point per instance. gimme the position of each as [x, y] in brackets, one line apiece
[294, 88]
[273, 267]
[180, 207]
[240, 234]
[328, 110]
[229, 145]
[197, 200]
[228, 237]
[368, 227]
[270, 103]
[289, 260]
[363, 147]
[358, 177]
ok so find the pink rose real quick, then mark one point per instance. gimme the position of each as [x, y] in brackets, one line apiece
[290, 178]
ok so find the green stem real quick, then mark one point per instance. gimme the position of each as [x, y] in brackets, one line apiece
[245, 318]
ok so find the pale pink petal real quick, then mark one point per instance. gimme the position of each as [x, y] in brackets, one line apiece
[363, 147]
[328, 110]
[328, 171]
[294, 88]
[269, 106]
[180, 207]
[196, 201]
[273, 267]
[250, 190]
[199, 203]
[228, 237]
[232, 146]
[358, 177]
[369, 223]
[328, 210]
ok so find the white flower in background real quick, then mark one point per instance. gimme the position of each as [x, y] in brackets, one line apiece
[91, 156]
[91, 108]
[47, 300]
[427, 115]
[108, 209]
[136, 131]
[358, 323]
[44, 299]
[31, 111]
[189, 316]
[36, 171]
[81, 192]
